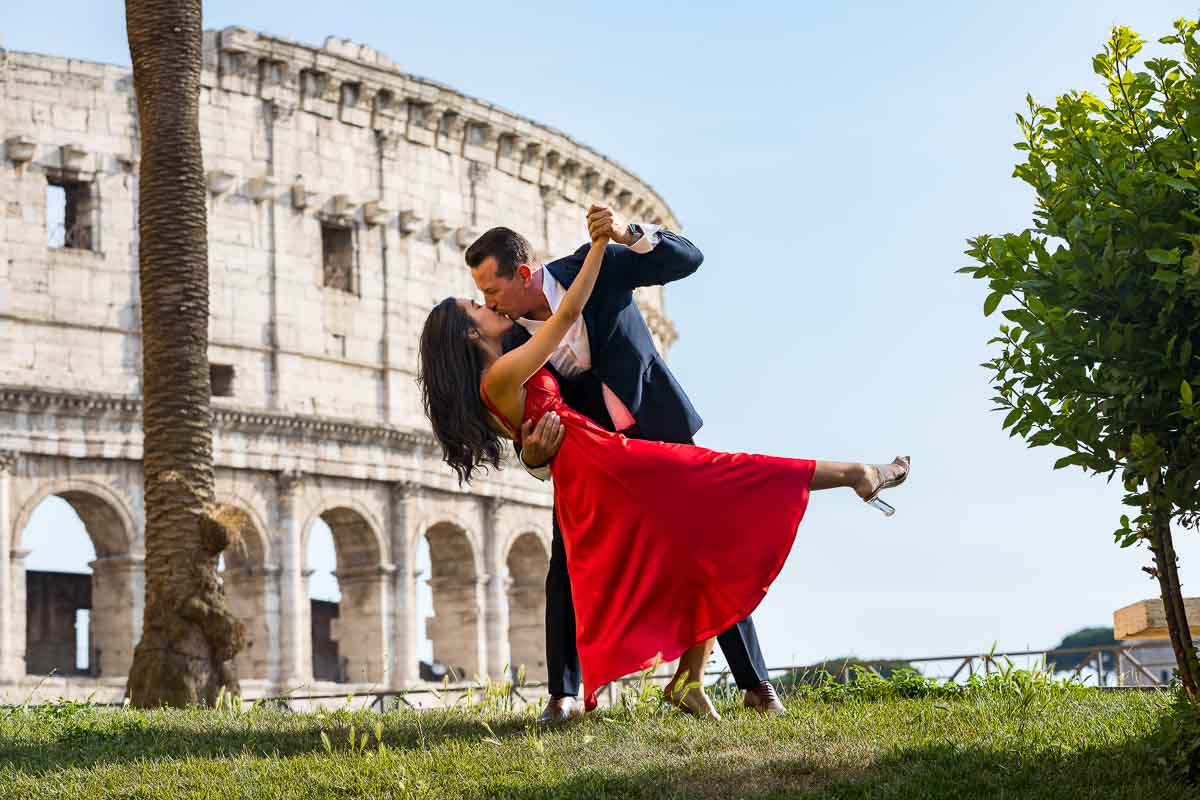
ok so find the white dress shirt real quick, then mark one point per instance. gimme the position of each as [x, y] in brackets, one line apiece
[573, 356]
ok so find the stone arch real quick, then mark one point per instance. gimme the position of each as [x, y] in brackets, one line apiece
[446, 518]
[113, 595]
[456, 627]
[349, 642]
[357, 532]
[520, 529]
[513, 521]
[105, 514]
[527, 558]
[251, 585]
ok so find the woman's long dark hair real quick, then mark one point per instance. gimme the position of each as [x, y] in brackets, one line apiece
[449, 373]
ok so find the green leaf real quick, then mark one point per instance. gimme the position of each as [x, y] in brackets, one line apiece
[992, 301]
[1159, 256]
[1165, 277]
[1012, 417]
[1071, 460]
[1043, 438]
[1181, 184]
[1185, 393]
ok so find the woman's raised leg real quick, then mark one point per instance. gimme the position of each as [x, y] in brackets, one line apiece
[867, 480]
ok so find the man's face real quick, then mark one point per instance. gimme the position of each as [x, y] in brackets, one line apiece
[507, 296]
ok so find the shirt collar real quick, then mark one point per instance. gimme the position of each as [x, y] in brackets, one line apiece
[553, 291]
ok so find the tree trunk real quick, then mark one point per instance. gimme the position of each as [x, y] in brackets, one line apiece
[1167, 571]
[189, 636]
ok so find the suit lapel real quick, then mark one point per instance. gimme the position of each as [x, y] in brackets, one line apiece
[560, 272]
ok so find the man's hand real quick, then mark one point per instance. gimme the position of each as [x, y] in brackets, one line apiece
[540, 442]
[603, 221]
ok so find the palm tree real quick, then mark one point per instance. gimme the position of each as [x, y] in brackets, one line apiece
[189, 636]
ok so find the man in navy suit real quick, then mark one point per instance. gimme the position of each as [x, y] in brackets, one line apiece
[608, 369]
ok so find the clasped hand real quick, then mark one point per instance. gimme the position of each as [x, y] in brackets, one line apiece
[603, 222]
[540, 441]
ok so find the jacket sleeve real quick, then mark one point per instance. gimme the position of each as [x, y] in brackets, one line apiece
[673, 258]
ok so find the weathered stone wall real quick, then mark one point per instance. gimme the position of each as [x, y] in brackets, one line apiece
[319, 415]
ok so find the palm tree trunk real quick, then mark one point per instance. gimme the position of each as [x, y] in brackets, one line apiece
[189, 636]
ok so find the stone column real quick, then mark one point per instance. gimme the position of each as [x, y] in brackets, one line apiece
[499, 650]
[17, 616]
[495, 605]
[253, 595]
[455, 629]
[118, 589]
[481, 635]
[362, 624]
[527, 625]
[305, 623]
[271, 620]
[294, 634]
[276, 116]
[9, 669]
[403, 643]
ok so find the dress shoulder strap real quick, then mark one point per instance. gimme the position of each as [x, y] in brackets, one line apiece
[487, 401]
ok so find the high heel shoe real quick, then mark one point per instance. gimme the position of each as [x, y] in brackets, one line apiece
[889, 483]
[694, 701]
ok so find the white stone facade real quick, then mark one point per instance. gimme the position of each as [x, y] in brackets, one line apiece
[306, 149]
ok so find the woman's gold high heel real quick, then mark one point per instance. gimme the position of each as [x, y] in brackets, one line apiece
[889, 483]
[694, 701]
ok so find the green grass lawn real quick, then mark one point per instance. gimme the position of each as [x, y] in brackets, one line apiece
[1023, 742]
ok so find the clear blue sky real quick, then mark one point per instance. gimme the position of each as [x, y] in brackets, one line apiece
[830, 159]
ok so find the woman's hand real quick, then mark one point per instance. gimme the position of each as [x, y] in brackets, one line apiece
[604, 223]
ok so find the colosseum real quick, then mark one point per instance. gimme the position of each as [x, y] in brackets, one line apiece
[342, 192]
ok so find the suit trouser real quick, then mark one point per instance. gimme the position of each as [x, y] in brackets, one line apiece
[739, 643]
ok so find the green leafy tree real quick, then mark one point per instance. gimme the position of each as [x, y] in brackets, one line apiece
[1102, 295]
[1084, 637]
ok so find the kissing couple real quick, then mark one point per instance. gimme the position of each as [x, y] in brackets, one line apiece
[660, 546]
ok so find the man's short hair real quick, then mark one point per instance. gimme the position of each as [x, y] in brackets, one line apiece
[509, 248]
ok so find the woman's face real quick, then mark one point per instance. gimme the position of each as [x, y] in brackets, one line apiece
[491, 324]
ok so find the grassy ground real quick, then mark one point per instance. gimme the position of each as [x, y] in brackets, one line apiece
[1014, 741]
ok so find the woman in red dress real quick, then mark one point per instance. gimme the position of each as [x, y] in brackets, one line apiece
[654, 572]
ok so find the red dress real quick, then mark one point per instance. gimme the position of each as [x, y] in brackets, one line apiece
[667, 544]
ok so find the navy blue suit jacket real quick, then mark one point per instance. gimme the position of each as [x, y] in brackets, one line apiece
[623, 352]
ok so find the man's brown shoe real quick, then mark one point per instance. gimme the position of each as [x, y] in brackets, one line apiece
[764, 700]
[560, 709]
